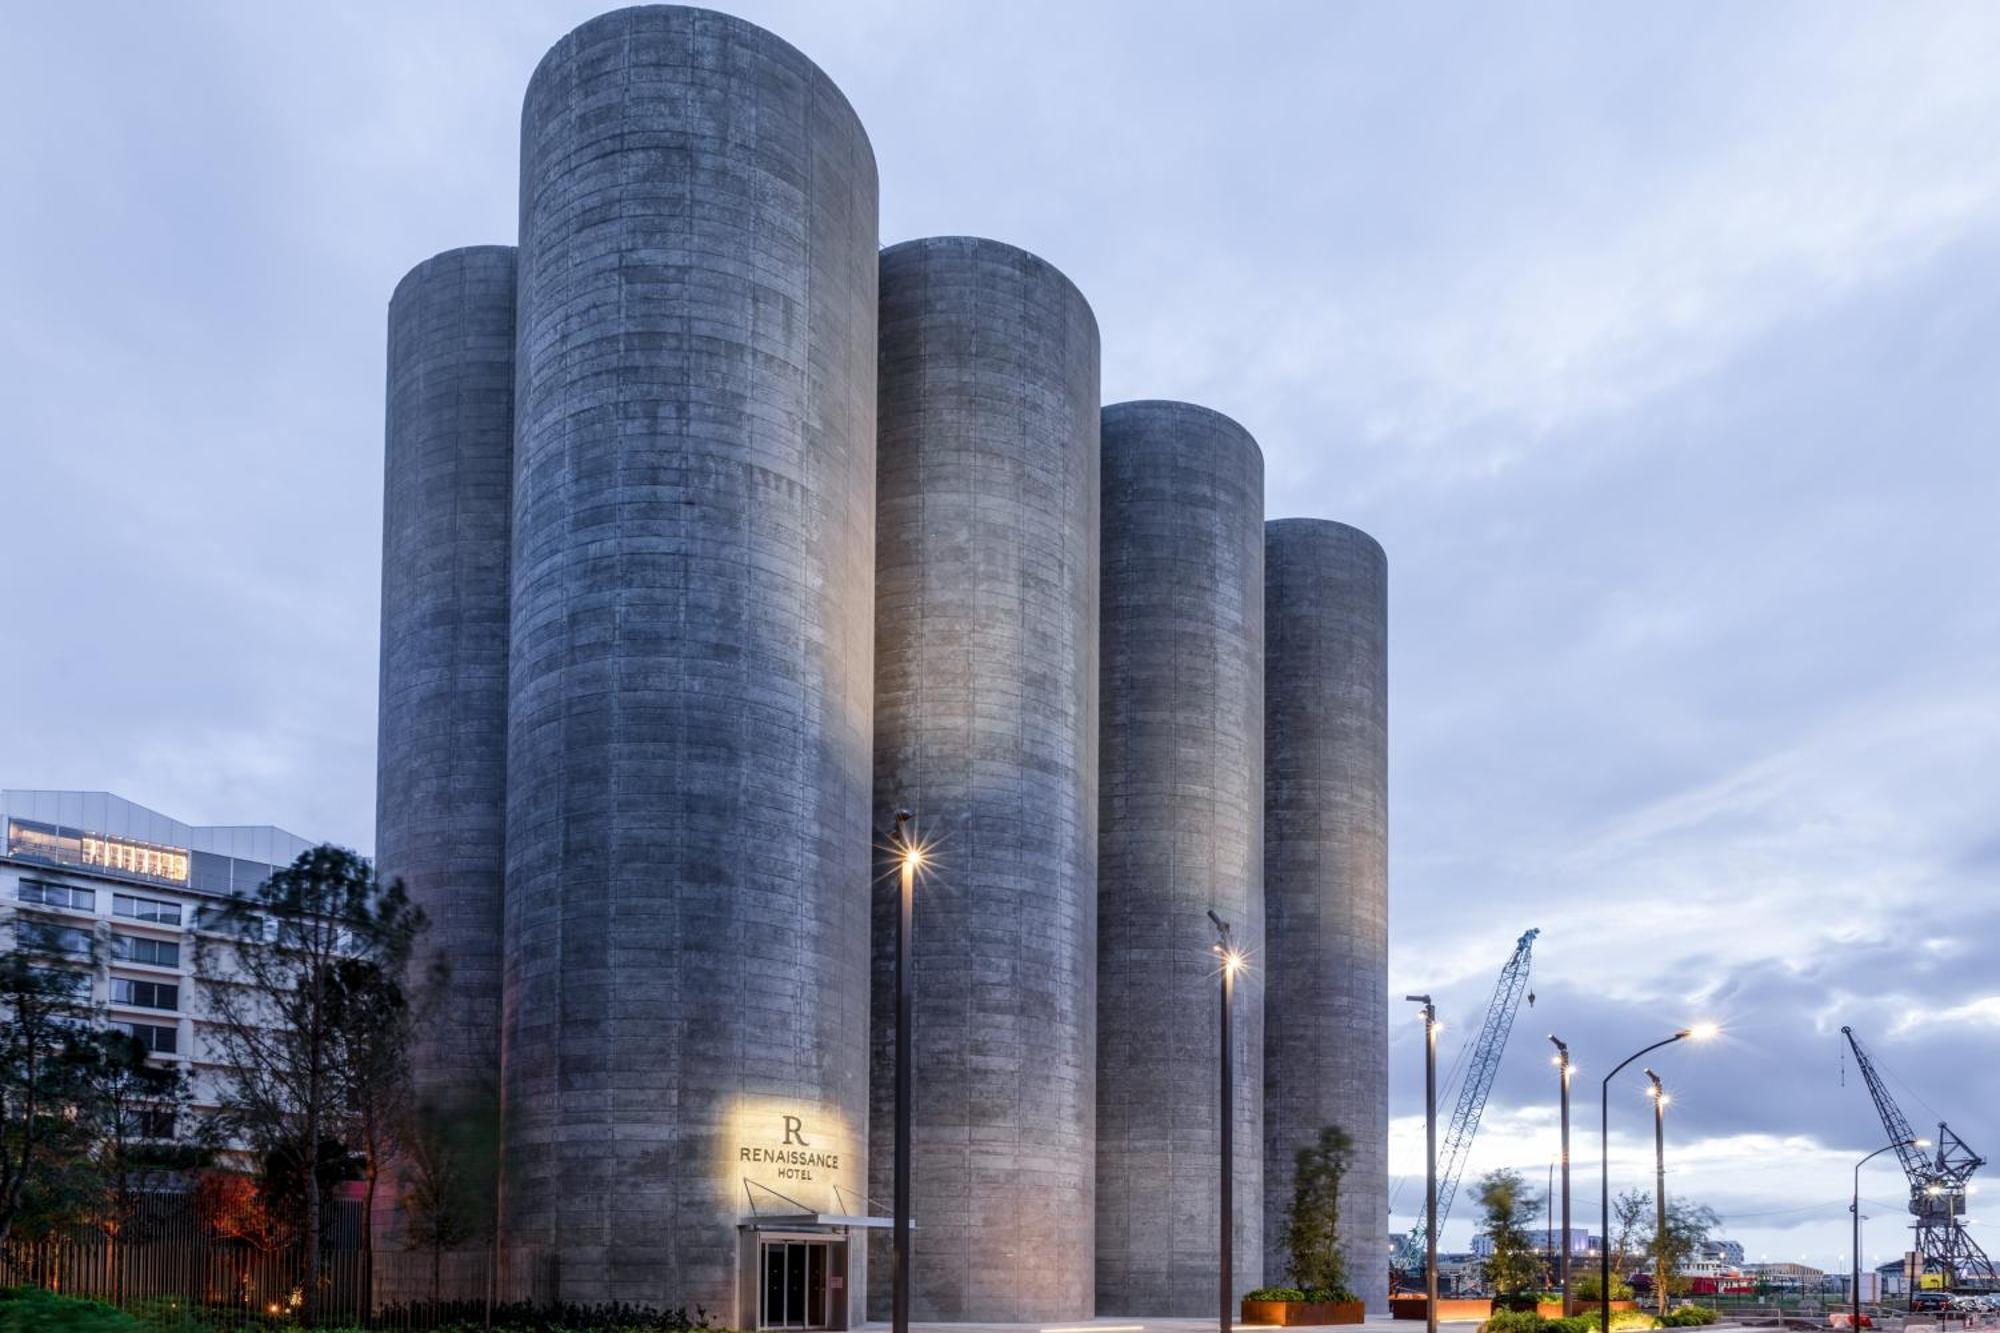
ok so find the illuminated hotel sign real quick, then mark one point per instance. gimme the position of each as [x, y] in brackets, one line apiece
[136, 858]
[796, 1159]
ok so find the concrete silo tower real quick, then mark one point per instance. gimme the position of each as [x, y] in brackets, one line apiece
[442, 749]
[1326, 879]
[1181, 832]
[986, 727]
[691, 670]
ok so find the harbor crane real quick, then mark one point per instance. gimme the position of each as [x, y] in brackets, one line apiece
[1483, 1064]
[1938, 1180]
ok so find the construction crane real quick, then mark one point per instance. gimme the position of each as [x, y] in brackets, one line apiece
[1484, 1063]
[1938, 1179]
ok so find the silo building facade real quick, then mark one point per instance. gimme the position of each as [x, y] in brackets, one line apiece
[713, 534]
[691, 653]
[1326, 878]
[1182, 834]
[986, 728]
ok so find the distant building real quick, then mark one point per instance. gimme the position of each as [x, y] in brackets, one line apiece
[1581, 1242]
[115, 896]
[1787, 1276]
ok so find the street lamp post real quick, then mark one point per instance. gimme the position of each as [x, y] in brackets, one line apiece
[1604, 1157]
[1855, 1208]
[1231, 961]
[1565, 1069]
[911, 856]
[1659, 1095]
[1430, 1161]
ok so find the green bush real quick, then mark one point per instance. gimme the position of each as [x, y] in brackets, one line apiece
[1300, 1294]
[1517, 1321]
[1588, 1287]
[1689, 1316]
[31, 1310]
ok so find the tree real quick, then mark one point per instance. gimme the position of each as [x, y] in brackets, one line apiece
[451, 1151]
[43, 1043]
[1688, 1228]
[131, 1101]
[233, 1208]
[1506, 1207]
[273, 974]
[1318, 1265]
[372, 1020]
[1631, 1225]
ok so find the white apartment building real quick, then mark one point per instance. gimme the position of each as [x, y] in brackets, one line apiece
[123, 891]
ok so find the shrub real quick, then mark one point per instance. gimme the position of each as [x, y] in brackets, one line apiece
[1301, 1294]
[31, 1310]
[1587, 1287]
[1689, 1316]
[1517, 1321]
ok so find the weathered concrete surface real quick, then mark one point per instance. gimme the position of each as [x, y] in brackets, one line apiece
[1326, 878]
[1181, 831]
[441, 755]
[986, 726]
[688, 820]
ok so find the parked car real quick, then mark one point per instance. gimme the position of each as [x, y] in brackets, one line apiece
[1929, 1302]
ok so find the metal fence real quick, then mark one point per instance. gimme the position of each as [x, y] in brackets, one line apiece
[179, 1268]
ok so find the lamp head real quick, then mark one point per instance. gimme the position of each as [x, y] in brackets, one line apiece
[1703, 1031]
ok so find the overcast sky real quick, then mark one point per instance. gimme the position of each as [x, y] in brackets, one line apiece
[1659, 345]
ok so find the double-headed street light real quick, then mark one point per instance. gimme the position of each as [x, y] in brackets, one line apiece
[1855, 1208]
[1564, 1069]
[1700, 1032]
[1232, 963]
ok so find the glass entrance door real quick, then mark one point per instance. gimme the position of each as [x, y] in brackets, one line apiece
[795, 1276]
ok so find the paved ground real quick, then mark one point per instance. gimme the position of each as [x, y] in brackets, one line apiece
[1375, 1324]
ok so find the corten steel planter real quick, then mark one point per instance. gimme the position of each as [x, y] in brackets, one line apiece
[1450, 1308]
[1295, 1313]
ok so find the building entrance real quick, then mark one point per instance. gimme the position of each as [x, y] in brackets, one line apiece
[803, 1284]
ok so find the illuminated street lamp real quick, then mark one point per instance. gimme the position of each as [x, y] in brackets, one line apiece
[1565, 1070]
[1659, 1096]
[1232, 963]
[1699, 1032]
[910, 856]
[1855, 1208]
[1431, 1027]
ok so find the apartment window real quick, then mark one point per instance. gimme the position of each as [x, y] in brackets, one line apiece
[152, 1122]
[155, 1037]
[138, 949]
[145, 909]
[56, 895]
[48, 937]
[67, 984]
[145, 994]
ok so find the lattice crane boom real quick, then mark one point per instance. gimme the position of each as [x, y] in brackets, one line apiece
[1482, 1065]
[1938, 1182]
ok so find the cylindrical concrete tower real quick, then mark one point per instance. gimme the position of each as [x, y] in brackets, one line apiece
[1326, 878]
[1181, 801]
[986, 727]
[691, 672]
[441, 756]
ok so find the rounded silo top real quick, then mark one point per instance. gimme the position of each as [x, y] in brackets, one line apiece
[924, 251]
[671, 38]
[1143, 419]
[1326, 534]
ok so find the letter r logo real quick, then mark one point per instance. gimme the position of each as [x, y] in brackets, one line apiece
[795, 1131]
